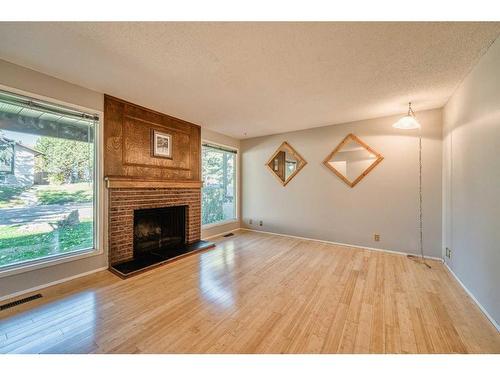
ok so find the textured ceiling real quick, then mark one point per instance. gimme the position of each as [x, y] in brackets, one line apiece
[252, 79]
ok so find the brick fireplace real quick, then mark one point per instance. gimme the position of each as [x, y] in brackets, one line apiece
[137, 178]
[123, 202]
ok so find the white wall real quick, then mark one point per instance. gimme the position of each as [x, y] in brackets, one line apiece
[317, 204]
[36, 84]
[221, 139]
[472, 181]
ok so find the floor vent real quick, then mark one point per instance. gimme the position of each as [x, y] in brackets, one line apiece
[228, 235]
[20, 301]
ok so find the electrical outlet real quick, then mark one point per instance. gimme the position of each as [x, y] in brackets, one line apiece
[448, 252]
[260, 223]
[250, 221]
[376, 237]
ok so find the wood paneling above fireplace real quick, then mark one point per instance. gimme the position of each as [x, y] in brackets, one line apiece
[128, 152]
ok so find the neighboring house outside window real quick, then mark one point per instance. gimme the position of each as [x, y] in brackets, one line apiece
[17, 163]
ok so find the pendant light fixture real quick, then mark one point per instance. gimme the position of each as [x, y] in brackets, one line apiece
[409, 122]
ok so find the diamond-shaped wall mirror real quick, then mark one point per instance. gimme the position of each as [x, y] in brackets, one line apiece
[352, 160]
[286, 163]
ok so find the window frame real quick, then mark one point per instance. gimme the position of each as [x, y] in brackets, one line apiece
[237, 183]
[100, 202]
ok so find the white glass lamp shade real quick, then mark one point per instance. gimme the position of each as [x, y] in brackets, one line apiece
[407, 123]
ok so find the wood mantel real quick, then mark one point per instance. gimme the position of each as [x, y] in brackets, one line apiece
[116, 182]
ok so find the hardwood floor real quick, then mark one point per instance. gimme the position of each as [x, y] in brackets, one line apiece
[258, 293]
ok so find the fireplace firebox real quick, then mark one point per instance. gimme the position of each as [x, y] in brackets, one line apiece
[159, 235]
[159, 230]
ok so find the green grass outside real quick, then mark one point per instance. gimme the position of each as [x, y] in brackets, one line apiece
[60, 194]
[18, 246]
[47, 194]
[9, 196]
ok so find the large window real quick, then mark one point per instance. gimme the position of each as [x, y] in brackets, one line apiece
[47, 180]
[219, 184]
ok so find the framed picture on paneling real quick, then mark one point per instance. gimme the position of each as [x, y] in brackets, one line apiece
[161, 144]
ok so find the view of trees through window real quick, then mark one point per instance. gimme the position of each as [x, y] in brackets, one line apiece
[46, 185]
[219, 184]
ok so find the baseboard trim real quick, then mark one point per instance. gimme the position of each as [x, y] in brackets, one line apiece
[52, 283]
[483, 310]
[341, 244]
[221, 234]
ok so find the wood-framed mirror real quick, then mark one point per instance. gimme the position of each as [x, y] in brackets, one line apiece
[352, 160]
[285, 163]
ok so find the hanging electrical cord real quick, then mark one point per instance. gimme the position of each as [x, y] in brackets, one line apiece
[420, 194]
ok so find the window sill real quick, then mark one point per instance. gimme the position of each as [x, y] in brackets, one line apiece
[220, 223]
[48, 262]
